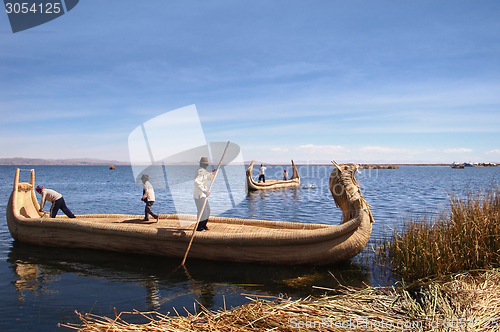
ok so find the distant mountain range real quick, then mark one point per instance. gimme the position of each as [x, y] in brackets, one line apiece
[39, 161]
[66, 162]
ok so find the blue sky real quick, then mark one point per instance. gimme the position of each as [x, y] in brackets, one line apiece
[352, 81]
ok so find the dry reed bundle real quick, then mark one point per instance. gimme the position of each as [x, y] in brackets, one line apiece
[462, 303]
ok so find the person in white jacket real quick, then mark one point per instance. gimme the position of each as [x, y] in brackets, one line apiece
[148, 197]
[200, 192]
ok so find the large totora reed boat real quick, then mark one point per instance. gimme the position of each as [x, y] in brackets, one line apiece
[252, 185]
[229, 239]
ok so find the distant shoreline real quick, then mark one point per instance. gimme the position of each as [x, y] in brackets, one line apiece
[97, 162]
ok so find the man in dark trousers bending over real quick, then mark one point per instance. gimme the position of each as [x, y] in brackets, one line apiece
[56, 199]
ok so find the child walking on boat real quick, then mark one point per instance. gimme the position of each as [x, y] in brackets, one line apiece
[148, 197]
[56, 199]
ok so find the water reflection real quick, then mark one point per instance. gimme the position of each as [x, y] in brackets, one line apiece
[41, 268]
[29, 275]
[33, 279]
[153, 298]
[278, 204]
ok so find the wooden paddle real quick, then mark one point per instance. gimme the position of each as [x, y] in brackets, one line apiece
[203, 207]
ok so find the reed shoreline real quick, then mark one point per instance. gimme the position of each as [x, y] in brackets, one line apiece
[467, 237]
[466, 301]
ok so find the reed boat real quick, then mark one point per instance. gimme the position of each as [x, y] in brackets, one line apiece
[229, 239]
[252, 185]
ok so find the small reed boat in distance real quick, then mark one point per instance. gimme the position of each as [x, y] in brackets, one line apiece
[229, 239]
[252, 185]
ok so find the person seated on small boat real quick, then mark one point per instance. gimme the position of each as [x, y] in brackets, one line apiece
[285, 175]
[148, 197]
[56, 199]
[262, 176]
[200, 193]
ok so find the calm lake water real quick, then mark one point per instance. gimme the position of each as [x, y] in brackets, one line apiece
[41, 287]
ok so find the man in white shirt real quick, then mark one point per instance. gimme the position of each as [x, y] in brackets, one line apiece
[148, 197]
[262, 176]
[200, 192]
[56, 199]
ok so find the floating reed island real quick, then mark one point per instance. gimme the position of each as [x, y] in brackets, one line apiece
[461, 302]
[369, 166]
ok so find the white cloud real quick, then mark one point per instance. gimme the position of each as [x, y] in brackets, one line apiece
[496, 151]
[322, 149]
[383, 149]
[460, 150]
[279, 150]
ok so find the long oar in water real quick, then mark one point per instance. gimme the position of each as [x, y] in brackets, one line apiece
[203, 207]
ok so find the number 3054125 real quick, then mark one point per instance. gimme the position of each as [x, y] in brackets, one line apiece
[40, 8]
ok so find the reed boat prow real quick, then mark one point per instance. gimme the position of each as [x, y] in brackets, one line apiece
[346, 192]
[229, 239]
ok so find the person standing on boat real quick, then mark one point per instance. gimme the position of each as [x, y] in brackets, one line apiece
[56, 199]
[262, 176]
[200, 192]
[148, 197]
[285, 175]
